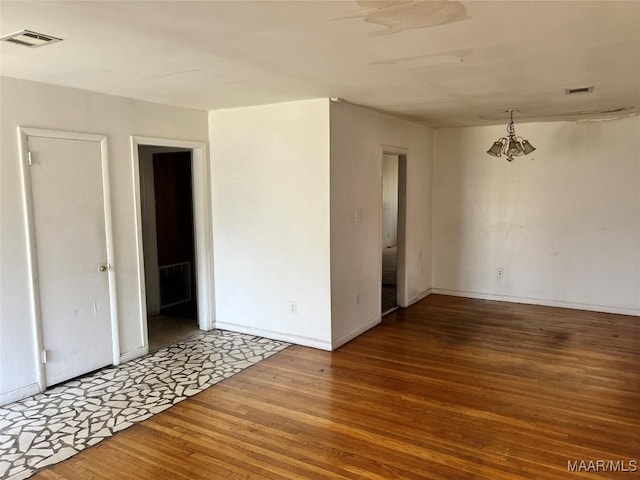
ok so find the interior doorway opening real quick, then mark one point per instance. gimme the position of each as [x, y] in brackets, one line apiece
[166, 191]
[393, 174]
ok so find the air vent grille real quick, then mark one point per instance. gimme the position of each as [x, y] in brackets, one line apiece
[28, 38]
[571, 91]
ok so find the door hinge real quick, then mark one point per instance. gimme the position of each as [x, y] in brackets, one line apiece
[29, 161]
[44, 357]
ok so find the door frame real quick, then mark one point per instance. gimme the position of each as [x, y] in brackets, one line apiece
[403, 156]
[202, 223]
[36, 314]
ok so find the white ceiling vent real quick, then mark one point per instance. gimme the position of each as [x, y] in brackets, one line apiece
[30, 39]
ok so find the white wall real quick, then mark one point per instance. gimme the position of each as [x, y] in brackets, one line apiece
[563, 222]
[357, 136]
[271, 220]
[39, 105]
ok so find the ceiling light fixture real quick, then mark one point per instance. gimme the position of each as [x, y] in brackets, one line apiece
[511, 145]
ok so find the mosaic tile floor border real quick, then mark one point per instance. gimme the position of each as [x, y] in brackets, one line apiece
[50, 427]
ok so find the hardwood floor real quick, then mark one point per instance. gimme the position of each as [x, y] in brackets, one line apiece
[450, 388]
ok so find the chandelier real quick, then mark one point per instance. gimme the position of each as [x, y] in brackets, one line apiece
[511, 145]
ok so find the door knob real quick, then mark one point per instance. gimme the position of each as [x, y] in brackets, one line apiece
[103, 267]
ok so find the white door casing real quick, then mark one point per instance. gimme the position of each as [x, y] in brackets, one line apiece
[66, 192]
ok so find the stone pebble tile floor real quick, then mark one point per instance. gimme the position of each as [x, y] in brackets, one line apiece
[50, 427]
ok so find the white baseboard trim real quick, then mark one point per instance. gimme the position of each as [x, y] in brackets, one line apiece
[358, 331]
[19, 394]
[539, 301]
[418, 297]
[132, 354]
[285, 337]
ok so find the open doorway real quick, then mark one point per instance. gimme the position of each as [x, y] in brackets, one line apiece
[166, 193]
[393, 165]
[389, 232]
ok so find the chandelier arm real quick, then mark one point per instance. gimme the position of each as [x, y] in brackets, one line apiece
[505, 142]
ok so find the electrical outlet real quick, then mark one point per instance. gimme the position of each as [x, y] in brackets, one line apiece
[500, 272]
[293, 307]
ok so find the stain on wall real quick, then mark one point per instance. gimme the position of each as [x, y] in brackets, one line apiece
[398, 16]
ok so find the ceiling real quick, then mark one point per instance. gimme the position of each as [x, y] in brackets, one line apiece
[442, 63]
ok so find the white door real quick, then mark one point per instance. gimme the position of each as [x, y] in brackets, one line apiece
[71, 255]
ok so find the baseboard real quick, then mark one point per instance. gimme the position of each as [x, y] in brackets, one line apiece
[358, 331]
[132, 354]
[19, 394]
[539, 301]
[419, 297]
[285, 337]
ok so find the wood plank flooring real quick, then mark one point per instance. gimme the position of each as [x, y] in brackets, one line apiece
[450, 388]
